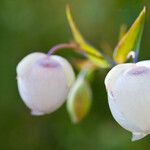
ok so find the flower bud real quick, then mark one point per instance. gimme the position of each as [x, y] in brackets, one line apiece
[79, 99]
[44, 82]
[128, 89]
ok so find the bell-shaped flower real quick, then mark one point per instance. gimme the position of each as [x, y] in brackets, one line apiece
[128, 88]
[44, 82]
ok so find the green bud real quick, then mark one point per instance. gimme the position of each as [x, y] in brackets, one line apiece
[79, 98]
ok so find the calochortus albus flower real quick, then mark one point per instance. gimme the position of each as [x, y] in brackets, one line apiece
[44, 82]
[128, 88]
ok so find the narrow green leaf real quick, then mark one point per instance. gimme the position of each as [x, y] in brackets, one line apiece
[94, 55]
[131, 40]
[79, 99]
[123, 30]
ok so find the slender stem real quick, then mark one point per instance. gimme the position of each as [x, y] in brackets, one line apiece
[133, 55]
[62, 46]
[73, 46]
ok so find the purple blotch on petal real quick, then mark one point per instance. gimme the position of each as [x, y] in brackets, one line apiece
[48, 63]
[112, 94]
[139, 70]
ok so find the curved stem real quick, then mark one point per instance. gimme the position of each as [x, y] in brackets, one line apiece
[133, 55]
[73, 46]
[62, 46]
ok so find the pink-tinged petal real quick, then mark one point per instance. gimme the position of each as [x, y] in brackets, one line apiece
[67, 69]
[128, 88]
[114, 73]
[42, 82]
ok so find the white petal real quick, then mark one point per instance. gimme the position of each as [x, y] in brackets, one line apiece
[114, 73]
[120, 118]
[131, 92]
[67, 68]
[37, 113]
[42, 82]
[129, 97]
[145, 63]
[26, 63]
[137, 136]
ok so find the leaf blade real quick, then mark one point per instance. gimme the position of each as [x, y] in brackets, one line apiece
[93, 54]
[131, 40]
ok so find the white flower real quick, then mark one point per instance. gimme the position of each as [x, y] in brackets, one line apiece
[44, 82]
[128, 88]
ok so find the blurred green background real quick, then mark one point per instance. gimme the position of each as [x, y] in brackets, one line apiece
[36, 25]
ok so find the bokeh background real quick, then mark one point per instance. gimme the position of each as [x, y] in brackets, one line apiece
[36, 25]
